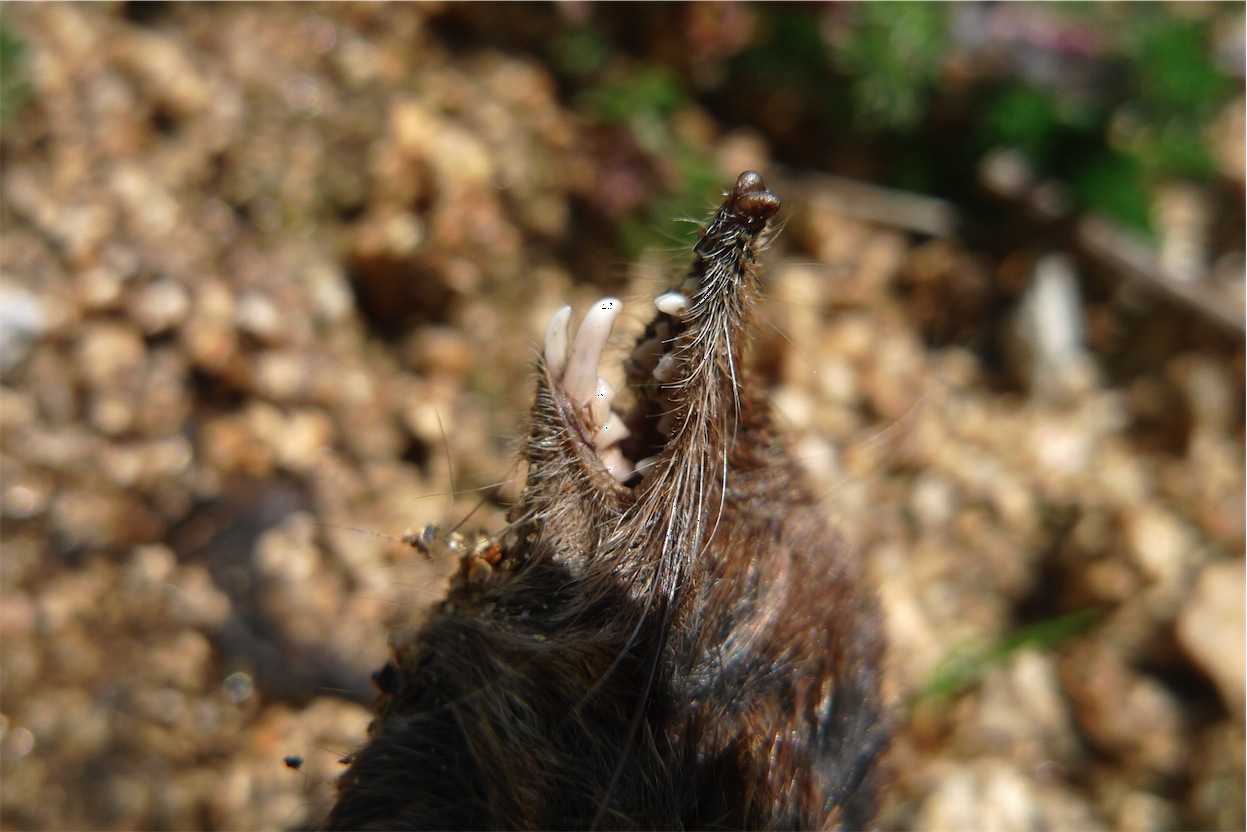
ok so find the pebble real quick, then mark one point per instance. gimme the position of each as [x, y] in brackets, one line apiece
[287, 553]
[110, 355]
[1161, 545]
[993, 794]
[1140, 811]
[97, 520]
[329, 292]
[209, 334]
[25, 493]
[307, 435]
[1217, 798]
[1124, 714]
[149, 568]
[17, 410]
[1049, 323]
[182, 660]
[160, 306]
[197, 600]
[932, 501]
[1211, 629]
[258, 315]
[111, 413]
[100, 288]
[1023, 710]
[21, 322]
[280, 375]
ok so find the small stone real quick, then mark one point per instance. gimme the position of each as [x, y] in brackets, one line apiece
[330, 292]
[1125, 714]
[1141, 811]
[100, 287]
[1160, 543]
[837, 381]
[17, 410]
[440, 351]
[1217, 796]
[160, 306]
[70, 598]
[110, 354]
[26, 493]
[197, 600]
[287, 553]
[182, 662]
[209, 333]
[932, 500]
[258, 315]
[150, 567]
[307, 434]
[793, 406]
[230, 445]
[1023, 711]
[18, 616]
[111, 413]
[96, 520]
[1061, 447]
[82, 227]
[1049, 327]
[1211, 629]
[149, 207]
[280, 375]
[22, 319]
[992, 794]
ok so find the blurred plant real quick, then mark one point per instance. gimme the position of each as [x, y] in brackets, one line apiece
[642, 99]
[689, 199]
[893, 55]
[1138, 119]
[963, 668]
[1108, 99]
[14, 79]
[1178, 89]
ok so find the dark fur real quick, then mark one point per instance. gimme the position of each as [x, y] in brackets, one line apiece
[696, 650]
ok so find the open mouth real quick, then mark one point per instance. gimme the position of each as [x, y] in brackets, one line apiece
[630, 433]
[626, 432]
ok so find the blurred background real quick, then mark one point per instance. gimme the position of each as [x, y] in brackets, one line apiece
[272, 278]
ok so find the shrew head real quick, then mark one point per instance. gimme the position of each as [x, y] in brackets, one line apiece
[681, 375]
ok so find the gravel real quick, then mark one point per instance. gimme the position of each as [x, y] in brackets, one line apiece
[271, 280]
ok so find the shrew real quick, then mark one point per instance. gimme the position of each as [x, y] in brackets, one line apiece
[668, 635]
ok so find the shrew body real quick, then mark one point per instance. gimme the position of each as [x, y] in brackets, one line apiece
[669, 635]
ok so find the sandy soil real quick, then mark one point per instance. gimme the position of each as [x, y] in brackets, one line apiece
[271, 280]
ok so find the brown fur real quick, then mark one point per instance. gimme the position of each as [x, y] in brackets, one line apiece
[693, 650]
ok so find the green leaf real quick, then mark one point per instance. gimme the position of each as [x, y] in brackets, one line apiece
[14, 79]
[1114, 184]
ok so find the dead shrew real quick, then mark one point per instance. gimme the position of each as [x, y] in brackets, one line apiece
[668, 635]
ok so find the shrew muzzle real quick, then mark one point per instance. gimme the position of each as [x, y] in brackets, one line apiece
[668, 635]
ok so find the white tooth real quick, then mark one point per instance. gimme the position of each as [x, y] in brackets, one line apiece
[556, 342]
[618, 466]
[668, 369]
[644, 465]
[582, 367]
[600, 404]
[647, 353]
[612, 433]
[672, 303]
[664, 425]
